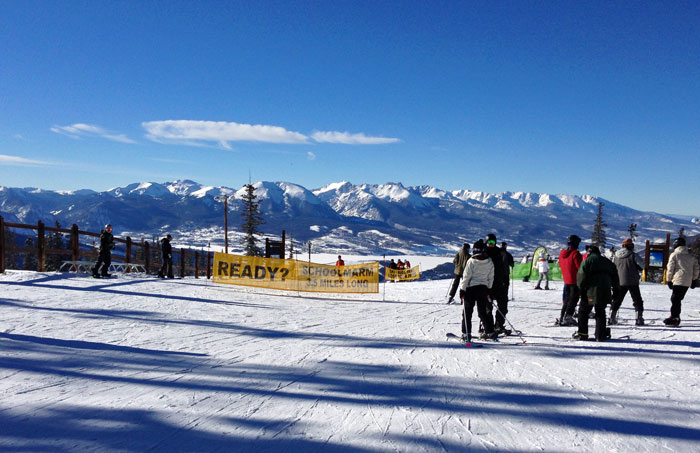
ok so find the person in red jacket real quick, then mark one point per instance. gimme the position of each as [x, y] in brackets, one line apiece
[569, 263]
[340, 261]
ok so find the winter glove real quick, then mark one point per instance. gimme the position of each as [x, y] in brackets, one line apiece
[670, 285]
[694, 284]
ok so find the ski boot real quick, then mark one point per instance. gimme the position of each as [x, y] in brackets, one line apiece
[580, 336]
[502, 331]
[488, 336]
[639, 321]
[672, 321]
[546, 287]
[449, 301]
[568, 321]
[612, 320]
[537, 287]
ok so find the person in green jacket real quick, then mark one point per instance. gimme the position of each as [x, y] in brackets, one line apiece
[599, 283]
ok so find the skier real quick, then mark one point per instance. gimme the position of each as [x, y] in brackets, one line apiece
[477, 279]
[508, 263]
[460, 260]
[682, 272]
[569, 262]
[498, 290]
[543, 269]
[104, 259]
[166, 251]
[599, 284]
[628, 264]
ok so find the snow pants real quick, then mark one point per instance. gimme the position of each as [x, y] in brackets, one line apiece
[544, 275]
[102, 265]
[676, 297]
[455, 285]
[479, 296]
[571, 297]
[166, 269]
[583, 312]
[499, 295]
[637, 301]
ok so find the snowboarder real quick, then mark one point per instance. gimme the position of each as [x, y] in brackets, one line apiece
[599, 284]
[104, 258]
[166, 251]
[477, 279]
[569, 263]
[542, 267]
[682, 272]
[628, 264]
[497, 293]
[460, 260]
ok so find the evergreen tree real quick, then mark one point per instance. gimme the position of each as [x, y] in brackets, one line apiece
[10, 242]
[252, 219]
[633, 231]
[30, 262]
[598, 237]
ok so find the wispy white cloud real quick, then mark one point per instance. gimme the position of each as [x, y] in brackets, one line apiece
[347, 138]
[20, 161]
[311, 156]
[189, 132]
[79, 130]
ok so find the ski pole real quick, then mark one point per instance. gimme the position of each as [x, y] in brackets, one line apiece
[517, 332]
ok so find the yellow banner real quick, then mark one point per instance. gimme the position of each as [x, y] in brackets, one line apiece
[412, 273]
[295, 275]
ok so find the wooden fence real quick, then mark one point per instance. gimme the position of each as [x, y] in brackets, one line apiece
[189, 261]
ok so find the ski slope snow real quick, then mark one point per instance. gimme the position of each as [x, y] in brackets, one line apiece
[135, 363]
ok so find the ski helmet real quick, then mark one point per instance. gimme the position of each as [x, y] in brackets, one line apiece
[628, 244]
[491, 239]
[678, 242]
[574, 241]
[479, 247]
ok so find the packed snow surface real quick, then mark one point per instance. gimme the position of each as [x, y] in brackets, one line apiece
[135, 363]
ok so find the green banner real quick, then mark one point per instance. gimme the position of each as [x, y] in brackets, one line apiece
[521, 270]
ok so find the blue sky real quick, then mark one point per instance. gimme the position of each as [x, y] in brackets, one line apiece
[599, 98]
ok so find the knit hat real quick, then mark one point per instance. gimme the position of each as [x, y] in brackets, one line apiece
[479, 247]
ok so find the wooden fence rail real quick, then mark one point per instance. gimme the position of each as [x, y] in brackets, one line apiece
[150, 253]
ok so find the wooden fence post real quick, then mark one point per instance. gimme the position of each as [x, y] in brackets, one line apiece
[182, 263]
[208, 265]
[75, 242]
[2, 246]
[147, 257]
[127, 258]
[196, 264]
[41, 247]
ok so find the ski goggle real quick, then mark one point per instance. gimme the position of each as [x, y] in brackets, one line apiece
[491, 242]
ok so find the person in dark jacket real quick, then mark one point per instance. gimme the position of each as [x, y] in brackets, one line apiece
[569, 263]
[508, 263]
[497, 293]
[460, 260]
[166, 251]
[598, 281]
[104, 258]
[628, 264]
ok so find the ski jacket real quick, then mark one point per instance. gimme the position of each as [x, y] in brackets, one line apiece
[499, 274]
[165, 248]
[682, 267]
[597, 279]
[508, 262]
[628, 266]
[569, 263]
[106, 242]
[479, 270]
[542, 266]
[460, 260]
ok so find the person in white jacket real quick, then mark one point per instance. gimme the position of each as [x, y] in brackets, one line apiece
[477, 279]
[542, 267]
[681, 272]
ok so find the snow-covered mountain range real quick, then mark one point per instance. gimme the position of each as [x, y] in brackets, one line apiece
[340, 217]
